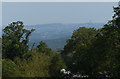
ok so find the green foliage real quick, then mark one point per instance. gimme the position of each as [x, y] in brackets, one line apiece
[15, 40]
[19, 61]
[36, 66]
[42, 47]
[110, 34]
[10, 69]
[76, 50]
[80, 38]
[91, 51]
[57, 64]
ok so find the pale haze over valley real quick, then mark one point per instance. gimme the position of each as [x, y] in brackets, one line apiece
[55, 22]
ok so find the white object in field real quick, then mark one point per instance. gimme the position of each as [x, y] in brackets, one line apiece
[64, 71]
[68, 72]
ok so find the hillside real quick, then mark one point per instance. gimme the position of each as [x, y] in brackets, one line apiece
[56, 34]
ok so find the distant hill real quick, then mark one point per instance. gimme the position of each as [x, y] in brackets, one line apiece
[56, 34]
[53, 43]
[58, 30]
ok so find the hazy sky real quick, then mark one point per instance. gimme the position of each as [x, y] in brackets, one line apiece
[32, 13]
[60, 0]
[0, 13]
[0, 19]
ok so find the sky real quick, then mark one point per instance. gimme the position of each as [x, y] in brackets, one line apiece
[0, 19]
[60, 0]
[0, 12]
[32, 13]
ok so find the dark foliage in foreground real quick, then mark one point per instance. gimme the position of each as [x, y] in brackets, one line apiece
[95, 52]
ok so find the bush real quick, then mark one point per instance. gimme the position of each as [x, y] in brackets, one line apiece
[56, 64]
[10, 69]
[36, 66]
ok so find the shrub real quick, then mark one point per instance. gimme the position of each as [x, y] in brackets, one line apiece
[10, 69]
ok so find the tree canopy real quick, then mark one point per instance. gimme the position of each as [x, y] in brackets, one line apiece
[91, 51]
[15, 40]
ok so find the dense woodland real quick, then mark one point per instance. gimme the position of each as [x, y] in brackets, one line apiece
[89, 51]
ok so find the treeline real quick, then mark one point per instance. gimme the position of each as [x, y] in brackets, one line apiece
[95, 52]
[21, 61]
[89, 51]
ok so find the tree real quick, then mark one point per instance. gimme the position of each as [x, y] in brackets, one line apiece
[110, 34]
[15, 40]
[57, 64]
[96, 51]
[42, 47]
[36, 66]
[76, 52]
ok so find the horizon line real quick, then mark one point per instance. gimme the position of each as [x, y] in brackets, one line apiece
[58, 23]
